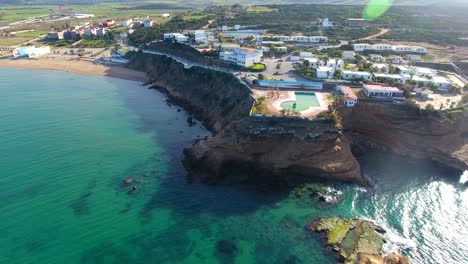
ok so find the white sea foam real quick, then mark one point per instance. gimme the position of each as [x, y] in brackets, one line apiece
[464, 177]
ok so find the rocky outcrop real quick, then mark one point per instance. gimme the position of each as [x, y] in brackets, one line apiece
[356, 241]
[275, 150]
[410, 131]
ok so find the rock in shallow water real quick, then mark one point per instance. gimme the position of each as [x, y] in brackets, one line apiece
[356, 241]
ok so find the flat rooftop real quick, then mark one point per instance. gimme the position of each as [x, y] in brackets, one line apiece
[379, 87]
[348, 92]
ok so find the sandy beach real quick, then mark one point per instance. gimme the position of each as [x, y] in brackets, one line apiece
[81, 66]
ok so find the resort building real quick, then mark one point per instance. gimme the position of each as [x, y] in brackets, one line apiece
[285, 38]
[405, 69]
[350, 98]
[326, 23]
[395, 77]
[381, 47]
[380, 67]
[306, 55]
[324, 72]
[375, 57]
[414, 57]
[229, 47]
[101, 32]
[441, 83]
[300, 39]
[127, 23]
[90, 31]
[30, 51]
[348, 55]
[361, 47]
[385, 47]
[242, 56]
[177, 37]
[282, 49]
[395, 59]
[55, 35]
[318, 39]
[148, 23]
[356, 75]
[295, 58]
[382, 91]
[423, 71]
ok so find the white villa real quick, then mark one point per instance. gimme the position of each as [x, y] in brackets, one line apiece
[405, 69]
[396, 77]
[299, 39]
[242, 56]
[375, 57]
[30, 52]
[335, 64]
[324, 72]
[127, 23]
[352, 75]
[442, 83]
[305, 55]
[382, 91]
[304, 39]
[348, 55]
[326, 23]
[229, 47]
[350, 98]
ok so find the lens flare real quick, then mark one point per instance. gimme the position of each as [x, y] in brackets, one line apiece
[376, 8]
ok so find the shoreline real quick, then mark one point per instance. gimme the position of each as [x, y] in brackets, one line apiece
[75, 65]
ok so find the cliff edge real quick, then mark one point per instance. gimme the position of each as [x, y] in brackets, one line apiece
[409, 131]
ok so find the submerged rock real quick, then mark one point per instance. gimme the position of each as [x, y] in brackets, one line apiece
[128, 181]
[226, 247]
[355, 240]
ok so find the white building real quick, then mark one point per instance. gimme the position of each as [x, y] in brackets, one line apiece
[285, 38]
[318, 39]
[282, 49]
[302, 39]
[395, 77]
[90, 31]
[405, 69]
[324, 72]
[101, 32]
[395, 59]
[224, 28]
[353, 75]
[148, 23]
[201, 36]
[242, 56]
[30, 52]
[326, 23]
[361, 47]
[423, 71]
[381, 47]
[380, 67]
[127, 23]
[177, 37]
[348, 55]
[295, 58]
[350, 98]
[229, 47]
[165, 15]
[414, 57]
[237, 27]
[382, 91]
[305, 55]
[402, 48]
[419, 50]
[442, 83]
[375, 57]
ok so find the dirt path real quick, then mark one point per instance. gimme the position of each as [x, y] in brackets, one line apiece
[382, 31]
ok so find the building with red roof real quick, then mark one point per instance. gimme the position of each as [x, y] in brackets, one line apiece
[350, 98]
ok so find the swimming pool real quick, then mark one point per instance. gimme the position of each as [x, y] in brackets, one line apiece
[303, 102]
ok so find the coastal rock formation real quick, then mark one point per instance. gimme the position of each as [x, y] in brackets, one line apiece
[258, 149]
[275, 149]
[410, 131]
[356, 241]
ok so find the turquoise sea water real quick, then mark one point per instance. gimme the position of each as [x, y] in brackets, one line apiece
[68, 141]
[303, 102]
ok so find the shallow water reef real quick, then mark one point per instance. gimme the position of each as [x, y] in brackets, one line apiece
[355, 240]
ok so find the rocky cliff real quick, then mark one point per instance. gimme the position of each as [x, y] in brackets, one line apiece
[216, 97]
[276, 150]
[409, 131]
[256, 149]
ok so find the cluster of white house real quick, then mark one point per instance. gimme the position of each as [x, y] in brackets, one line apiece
[241, 56]
[30, 51]
[200, 36]
[386, 47]
[84, 29]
